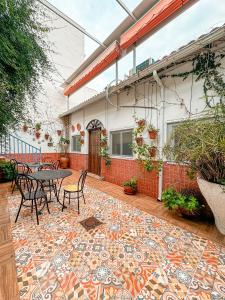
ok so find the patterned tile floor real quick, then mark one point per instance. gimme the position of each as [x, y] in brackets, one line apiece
[132, 255]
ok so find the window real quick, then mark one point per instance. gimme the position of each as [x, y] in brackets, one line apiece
[76, 145]
[121, 141]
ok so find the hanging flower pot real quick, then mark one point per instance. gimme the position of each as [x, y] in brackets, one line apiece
[139, 141]
[37, 134]
[46, 136]
[73, 128]
[152, 134]
[82, 133]
[78, 126]
[152, 151]
[82, 141]
[38, 126]
[25, 127]
[59, 132]
[104, 132]
[141, 123]
[103, 143]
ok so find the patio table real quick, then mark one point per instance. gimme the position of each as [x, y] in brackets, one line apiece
[48, 175]
[37, 165]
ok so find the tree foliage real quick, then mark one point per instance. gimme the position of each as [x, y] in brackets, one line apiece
[23, 59]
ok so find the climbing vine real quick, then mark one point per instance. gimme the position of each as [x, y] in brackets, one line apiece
[104, 149]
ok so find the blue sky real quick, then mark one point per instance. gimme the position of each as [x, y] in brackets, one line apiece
[100, 17]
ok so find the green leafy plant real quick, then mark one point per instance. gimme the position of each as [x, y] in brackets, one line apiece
[37, 126]
[24, 59]
[185, 204]
[8, 170]
[64, 143]
[104, 149]
[132, 183]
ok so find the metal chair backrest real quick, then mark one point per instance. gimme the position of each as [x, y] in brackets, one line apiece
[23, 168]
[82, 179]
[28, 185]
[55, 164]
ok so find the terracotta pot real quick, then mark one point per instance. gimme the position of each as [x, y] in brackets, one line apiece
[139, 141]
[46, 136]
[152, 151]
[59, 132]
[37, 134]
[187, 213]
[152, 134]
[129, 190]
[73, 128]
[103, 143]
[82, 141]
[141, 123]
[215, 197]
[82, 133]
[104, 132]
[25, 128]
[78, 126]
[64, 162]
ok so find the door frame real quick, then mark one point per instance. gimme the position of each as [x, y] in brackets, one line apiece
[94, 125]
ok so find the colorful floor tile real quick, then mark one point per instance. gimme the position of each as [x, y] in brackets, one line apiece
[131, 255]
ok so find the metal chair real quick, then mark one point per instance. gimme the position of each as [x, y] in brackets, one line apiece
[19, 168]
[78, 189]
[31, 192]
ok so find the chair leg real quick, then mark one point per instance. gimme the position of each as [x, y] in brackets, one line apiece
[83, 197]
[21, 203]
[32, 205]
[78, 202]
[46, 201]
[63, 200]
[35, 203]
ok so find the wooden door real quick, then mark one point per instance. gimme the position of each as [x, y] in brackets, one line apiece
[94, 158]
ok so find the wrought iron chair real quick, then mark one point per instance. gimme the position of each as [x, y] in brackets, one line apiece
[32, 192]
[18, 168]
[75, 189]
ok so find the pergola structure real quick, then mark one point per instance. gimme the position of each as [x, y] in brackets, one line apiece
[148, 17]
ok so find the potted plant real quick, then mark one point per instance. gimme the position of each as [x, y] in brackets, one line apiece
[82, 133]
[38, 126]
[104, 132]
[46, 136]
[82, 141]
[152, 132]
[152, 151]
[103, 141]
[6, 171]
[185, 205]
[37, 134]
[141, 122]
[78, 126]
[59, 132]
[130, 186]
[139, 140]
[64, 159]
[201, 145]
[25, 127]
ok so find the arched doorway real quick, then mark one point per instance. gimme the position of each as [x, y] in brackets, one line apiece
[94, 159]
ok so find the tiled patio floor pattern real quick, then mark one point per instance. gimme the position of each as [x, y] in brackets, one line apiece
[132, 255]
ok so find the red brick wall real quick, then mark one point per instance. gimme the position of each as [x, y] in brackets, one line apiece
[78, 161]
[33, 157]
[176, 176]
[121, 170]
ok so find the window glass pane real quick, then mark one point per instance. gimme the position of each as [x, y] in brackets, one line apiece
[76, 146]
[127, 141]
[116, 148]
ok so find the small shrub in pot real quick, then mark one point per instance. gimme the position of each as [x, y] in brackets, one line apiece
[130, 186]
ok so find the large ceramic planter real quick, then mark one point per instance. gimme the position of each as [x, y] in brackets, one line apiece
[215, 196]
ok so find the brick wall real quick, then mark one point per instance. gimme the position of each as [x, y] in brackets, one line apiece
[176, 176]
[121, 170]
[33, 157]
[78, 161]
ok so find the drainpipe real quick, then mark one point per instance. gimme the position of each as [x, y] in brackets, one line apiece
[162, 130]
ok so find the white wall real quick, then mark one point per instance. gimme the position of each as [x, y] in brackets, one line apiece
[181, 96]
[67, 45]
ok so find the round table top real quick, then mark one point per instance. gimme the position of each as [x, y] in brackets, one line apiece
[51, 174]
[38, 164]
